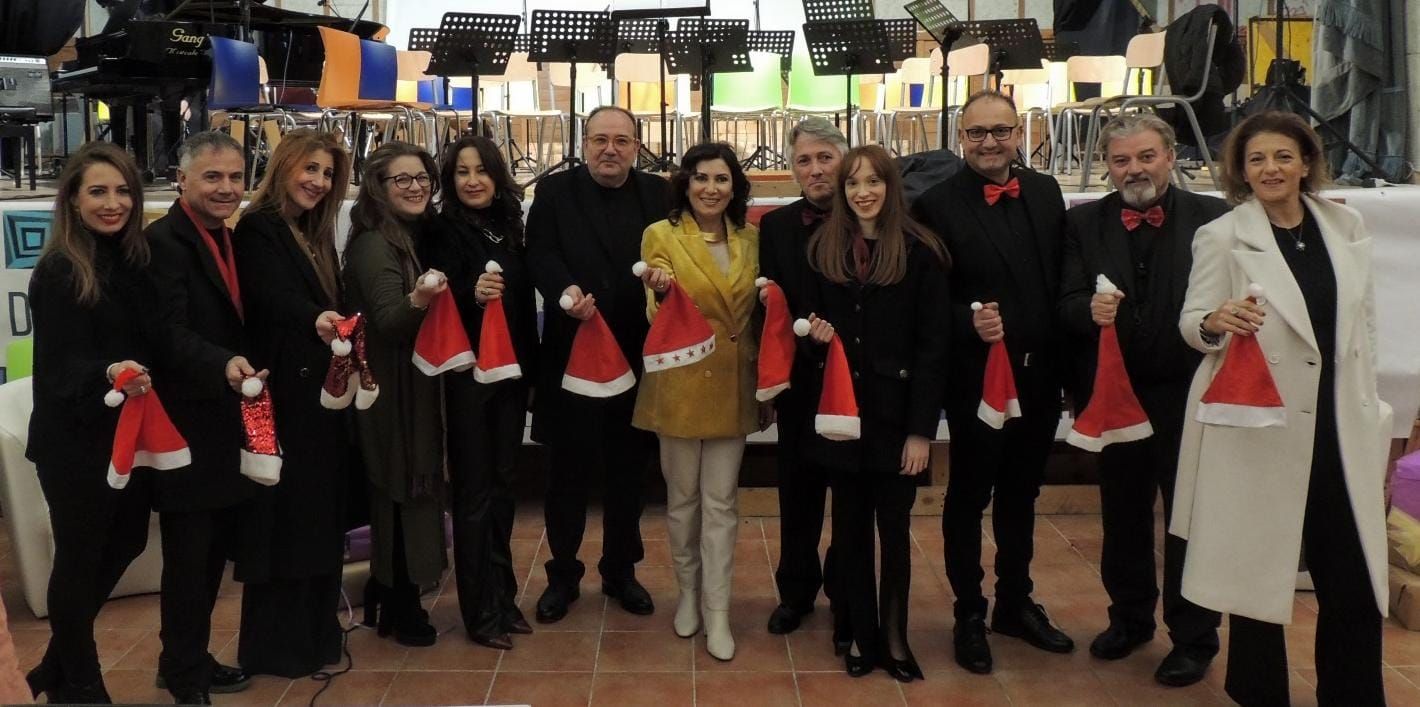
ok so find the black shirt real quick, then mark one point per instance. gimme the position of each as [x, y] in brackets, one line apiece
[1027, 330]
[1305, 253]
[1154, 351]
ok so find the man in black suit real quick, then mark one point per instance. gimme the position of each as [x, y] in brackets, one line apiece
[1001, 224]
[584, 234]
[1141, 237]
[199, 508]
[817, 148]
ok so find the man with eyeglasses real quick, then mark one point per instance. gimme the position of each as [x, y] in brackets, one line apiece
[1001, 223]
[584, 234]
[817, 149]
[1140, 236]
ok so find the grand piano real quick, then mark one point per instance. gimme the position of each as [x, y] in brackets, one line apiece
[163, 58]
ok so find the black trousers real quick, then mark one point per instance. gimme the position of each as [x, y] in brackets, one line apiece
[1348, 627]
[290, 626]
[611, 448]
[1007, 465]
[196, 545]
[98, 532]
[1132, 474]
[803, 488]
[485, 434]
[872, 614]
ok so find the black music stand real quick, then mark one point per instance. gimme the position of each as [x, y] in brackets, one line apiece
[775, 42]
[473, 45]
[570, 36]
[820, 10]
[705, 48]
[642, 35]
[944, 27]
[1015, 44]
[845, 48]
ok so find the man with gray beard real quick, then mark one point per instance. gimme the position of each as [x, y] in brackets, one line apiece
[1140, 237]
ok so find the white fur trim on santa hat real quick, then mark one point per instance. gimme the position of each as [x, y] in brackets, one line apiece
[265, 469]
[115, 479]
[458, 362]
[839, 428]
[1234, 415]
[501, 373]
[592, 389]
[675, 359]
[997, 418]
[332, 402]
[1132, 433]
[364, 398]
[765, 395]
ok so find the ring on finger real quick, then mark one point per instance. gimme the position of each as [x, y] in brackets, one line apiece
[1233, 311]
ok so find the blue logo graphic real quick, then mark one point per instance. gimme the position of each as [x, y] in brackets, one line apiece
[25, 234]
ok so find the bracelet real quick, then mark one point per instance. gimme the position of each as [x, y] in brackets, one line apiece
[1209, 337]
[108, 372]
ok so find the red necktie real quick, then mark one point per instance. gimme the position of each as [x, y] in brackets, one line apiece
[1131, 218]
[812, 216]
[1012, 189]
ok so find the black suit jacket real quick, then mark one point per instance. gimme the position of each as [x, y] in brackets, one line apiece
[783, 258]
[205, 333]
[957, 212]
[896, 339]
[570, 244]
[1096, 243]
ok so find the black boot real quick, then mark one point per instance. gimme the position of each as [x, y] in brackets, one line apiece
[44, 677]
[402, 615]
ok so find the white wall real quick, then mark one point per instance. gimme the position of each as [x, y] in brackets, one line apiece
[1412, 54]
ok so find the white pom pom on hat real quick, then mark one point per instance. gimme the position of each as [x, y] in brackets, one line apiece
[565, 301]
[340, 347]
[251, 387]
[114, 398]
[801, 327]
[761, 281]
[492, 266]
[639, 268]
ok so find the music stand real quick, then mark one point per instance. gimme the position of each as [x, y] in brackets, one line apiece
[473, 45]
[848, 47]
[643, 35]
[775, 42]
[944, 27]
[820, 10]
[705, 48]
[570, 36]
[1015, 44]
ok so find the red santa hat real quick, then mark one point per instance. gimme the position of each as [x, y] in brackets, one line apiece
[837, 417]
[1113, 414]
[144, 436]
[349, 377]
[776, 343]
[497, 360]
[596, 368]
[998, 387]
[260, 453]
[442, 344]
[679, 336]
[1243, 393]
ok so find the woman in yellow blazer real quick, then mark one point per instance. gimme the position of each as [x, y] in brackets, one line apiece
[702, 412]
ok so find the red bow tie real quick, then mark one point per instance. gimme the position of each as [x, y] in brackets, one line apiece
[1131, 218]
[1012, 189]
[812, 216]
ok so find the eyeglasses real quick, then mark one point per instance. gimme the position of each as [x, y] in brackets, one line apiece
[404, 181]
[599, 142]
[1001, 132]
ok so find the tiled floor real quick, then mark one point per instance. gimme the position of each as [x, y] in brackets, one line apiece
[601, 655]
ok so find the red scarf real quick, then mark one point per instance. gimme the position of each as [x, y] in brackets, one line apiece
[227, 267]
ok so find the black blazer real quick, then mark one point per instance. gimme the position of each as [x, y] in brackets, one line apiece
[957, 212]
[71, 430]
[459, 250]
[205, 333]
[783, 258]
[570, 244]
[896, 338]
[1097, 243]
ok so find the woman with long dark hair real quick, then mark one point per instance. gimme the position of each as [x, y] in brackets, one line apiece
[481, 222]
[293, 545]
[92, 305]
[880, 284]
[401, 434]
[702, 412]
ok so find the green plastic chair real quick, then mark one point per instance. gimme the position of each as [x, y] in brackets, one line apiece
[750, 92]
[811, 94]
[20, 359]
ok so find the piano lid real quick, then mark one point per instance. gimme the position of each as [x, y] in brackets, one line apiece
[271, 18]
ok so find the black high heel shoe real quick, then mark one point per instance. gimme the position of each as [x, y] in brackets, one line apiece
[903, 670]
[43, 678]
[516, 622]
[857, 666]
[499, 641]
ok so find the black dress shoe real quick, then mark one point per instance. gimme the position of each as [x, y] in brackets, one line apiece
[857, 666]
[1030, 624]
[66, 694]
[191, 697]
[225, 680]
[1117, 642]
[1181, 668]
[903, 670]
[630, 594]
[498, 641]
[969, 640]
[516, 622]
[786, 619]
[552, 605]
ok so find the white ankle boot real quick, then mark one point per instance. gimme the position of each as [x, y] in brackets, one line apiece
[687, 613]
[718, 641]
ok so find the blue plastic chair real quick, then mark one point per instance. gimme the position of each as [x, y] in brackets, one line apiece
[379, 71]
[236, 75]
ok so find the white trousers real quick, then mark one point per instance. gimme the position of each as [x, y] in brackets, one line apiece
[702, 495]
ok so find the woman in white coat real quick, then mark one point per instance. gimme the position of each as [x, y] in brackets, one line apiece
[1251, 500]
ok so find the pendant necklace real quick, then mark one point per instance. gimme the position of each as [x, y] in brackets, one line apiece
[1297, 236]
